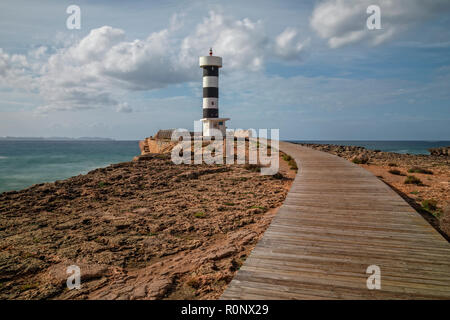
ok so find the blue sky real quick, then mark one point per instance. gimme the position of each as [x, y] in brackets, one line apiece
[310, 68]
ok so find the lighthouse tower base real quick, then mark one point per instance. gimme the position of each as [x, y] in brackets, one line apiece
[214, 123]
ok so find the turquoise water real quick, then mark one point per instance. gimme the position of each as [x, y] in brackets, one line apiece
[24, 163]
[411, 147]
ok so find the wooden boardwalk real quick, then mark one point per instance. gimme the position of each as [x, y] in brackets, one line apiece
[337, 220]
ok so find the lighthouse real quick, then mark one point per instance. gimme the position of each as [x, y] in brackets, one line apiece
[210, 65]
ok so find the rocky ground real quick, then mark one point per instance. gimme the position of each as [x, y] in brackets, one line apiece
[429, 194]
[144, 229]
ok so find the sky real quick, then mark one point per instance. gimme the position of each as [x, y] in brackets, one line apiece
[312, 69]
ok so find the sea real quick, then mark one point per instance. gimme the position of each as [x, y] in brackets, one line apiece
[410, 147]
[27, 162]
[24, 163]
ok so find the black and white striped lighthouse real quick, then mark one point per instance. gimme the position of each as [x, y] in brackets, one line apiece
[211, 120]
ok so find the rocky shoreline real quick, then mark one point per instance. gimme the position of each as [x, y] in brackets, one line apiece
[145, 229]
[422, 180]
[443, 151]
[149, 229]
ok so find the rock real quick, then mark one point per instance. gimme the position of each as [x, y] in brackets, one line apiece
[142, 210]
[444, 222]
[14, 264]
[111, 296]
[127, 218]
[140, 292]
[223, 253]
[58, 275]
[121, 224]
[443, 151]
[190, 175]
[159, 287]
[250, 238]
[66, 225]
[360, 159]
[253, 211]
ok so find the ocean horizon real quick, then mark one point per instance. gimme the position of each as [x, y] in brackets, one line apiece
[397, 146]
[24, 163]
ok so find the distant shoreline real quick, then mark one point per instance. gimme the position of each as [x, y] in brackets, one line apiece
[414, 147]
[23, 162]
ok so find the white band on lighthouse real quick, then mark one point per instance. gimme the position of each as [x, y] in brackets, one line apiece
[212, 82]
[210, 61]
[212, 103]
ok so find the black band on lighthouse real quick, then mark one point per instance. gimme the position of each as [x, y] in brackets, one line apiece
[210, 113]
[210, 92]
[209, 71]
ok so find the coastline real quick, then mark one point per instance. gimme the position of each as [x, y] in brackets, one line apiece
[25, 163]
[145, 229]
[414, 147]
[428, 192]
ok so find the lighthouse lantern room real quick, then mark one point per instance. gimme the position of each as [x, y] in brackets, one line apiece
[211, 120]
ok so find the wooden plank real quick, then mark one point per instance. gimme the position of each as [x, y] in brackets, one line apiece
[336, 221]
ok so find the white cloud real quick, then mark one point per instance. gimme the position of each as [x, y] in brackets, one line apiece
[96, 44]
[94, 71]
[38, 52]
[124, 108]
[14, 70]
[241, 42]
[146, 64]
[98, 70]
[289, 45]
[244, 44]
[343, 22]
